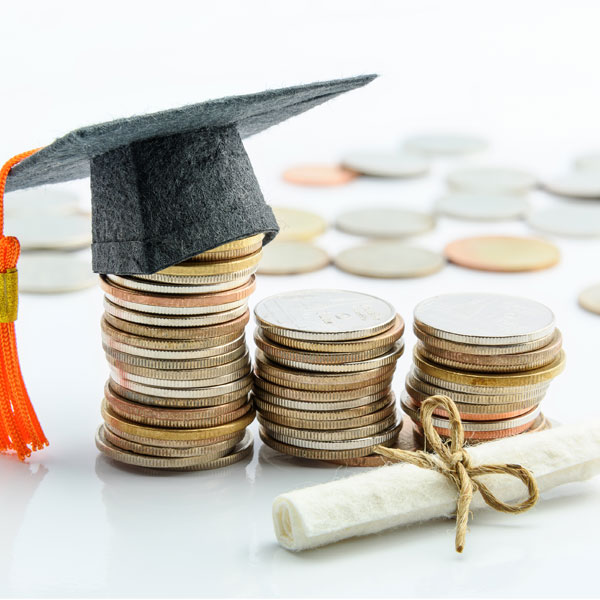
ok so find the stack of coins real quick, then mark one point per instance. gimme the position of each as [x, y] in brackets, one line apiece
[323, 371]
[180, 373]
[494, 355]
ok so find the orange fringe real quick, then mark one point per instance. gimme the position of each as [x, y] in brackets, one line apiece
[20, 430]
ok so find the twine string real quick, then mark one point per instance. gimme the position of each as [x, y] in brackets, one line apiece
[453, 462]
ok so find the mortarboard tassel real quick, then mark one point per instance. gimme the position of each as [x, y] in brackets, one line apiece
[20, 429]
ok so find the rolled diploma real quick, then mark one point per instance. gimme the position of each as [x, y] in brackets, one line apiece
[401, 494]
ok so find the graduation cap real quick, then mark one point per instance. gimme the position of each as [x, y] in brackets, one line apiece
[165, 187]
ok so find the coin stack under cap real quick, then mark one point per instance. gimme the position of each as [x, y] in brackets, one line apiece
[180, 373]
[494, 355]
[323, 371]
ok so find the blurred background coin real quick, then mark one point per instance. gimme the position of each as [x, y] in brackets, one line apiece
[41, 201]
[492, 179]
[445, 144]
[572, 220]
[50, 231]
[389, 260]
[588, 162]
[482, 206]
[385, 223]
[590, 299]
[503, 253]
[319, 175]
[290, 258]
[298, 225]
[386, 164]
[578, 184]
[55, 272]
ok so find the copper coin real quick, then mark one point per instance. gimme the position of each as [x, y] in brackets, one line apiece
[189, 300]
[214, 396]
[503, 253]
[180, 333]
[319, 175]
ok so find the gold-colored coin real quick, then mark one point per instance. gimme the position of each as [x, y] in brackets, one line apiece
[195, 463]
[340, 423]
[224, 363]
[292, 258]
[275, 431]
[503, 253]
[432, 341]
[589, 299]
[220, 267]
[532, 377]
[199, 280]
[389, 358]
[236, 389]
[298, 225]
[319, 406]
[371, 441]
[159, 433]
[341, 395]
[211, 451]
[163, 288]
[171, 320]
[233, 249]
[382, 341]
[156, 348]
[158, 417]
[168, 379]
[318, 381]
[504, 363]
[420, 390]
[317, 454]
[210, 391]
[236, 326]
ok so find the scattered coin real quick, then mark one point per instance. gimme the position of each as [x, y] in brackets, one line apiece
[389, 260]
[386, 164]
[590, 299]
[35, 202]
[50, 231]
[588, 162]
[54, 272]
[492, 180]
[445, 144]
[319, 175]
[387, 223]
[482, 206]
[577, 184]
[503, 253]
[568, 221]
[297, 225]
[292, 258]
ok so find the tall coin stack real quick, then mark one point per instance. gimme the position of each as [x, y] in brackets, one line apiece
[323, 371]
[180, 373]
[494, 355]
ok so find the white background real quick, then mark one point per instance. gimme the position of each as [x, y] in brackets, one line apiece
[523, 74]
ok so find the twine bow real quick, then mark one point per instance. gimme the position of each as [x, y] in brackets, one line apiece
[454, 463]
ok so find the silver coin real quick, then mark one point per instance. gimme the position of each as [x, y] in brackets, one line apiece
[492, 180]
[590, 299]
[39, 201]
[170, 320]
[577, 184]
[573, 220]
[488, 319]
[132, 283]
[318, 406]
[291, 258]
[386, 223]
[49, 231]
[482, 206]
[445, 144]
[588, 162]
[320, 315]
[386, 164]
[389, 260]
[193, 311]
[55, 272]
[199, 280]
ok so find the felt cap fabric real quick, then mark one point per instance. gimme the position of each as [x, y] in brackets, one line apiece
[172, 184]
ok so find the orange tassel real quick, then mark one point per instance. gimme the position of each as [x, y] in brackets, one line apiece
[20, 430]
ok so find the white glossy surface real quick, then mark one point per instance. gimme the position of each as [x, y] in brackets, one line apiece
[73, 524]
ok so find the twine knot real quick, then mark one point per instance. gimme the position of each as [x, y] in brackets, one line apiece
[454, 462]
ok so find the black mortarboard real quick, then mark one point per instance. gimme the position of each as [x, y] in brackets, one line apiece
[172, 184]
